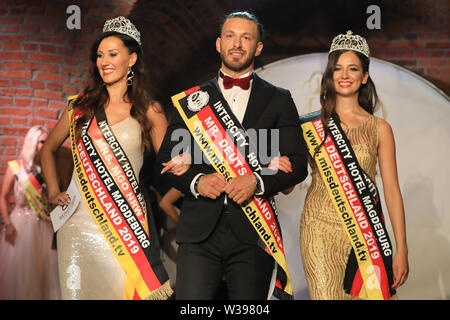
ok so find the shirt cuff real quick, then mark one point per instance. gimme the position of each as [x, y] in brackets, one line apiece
[261, 183]
[196, 194]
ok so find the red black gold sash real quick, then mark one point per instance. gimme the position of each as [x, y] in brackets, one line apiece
[356, 200]
[215, 128]
[116, 202]
[33, 187]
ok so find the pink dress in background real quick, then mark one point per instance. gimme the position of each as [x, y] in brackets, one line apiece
[29, 269]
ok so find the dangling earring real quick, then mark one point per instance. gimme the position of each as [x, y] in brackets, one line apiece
[130, 77]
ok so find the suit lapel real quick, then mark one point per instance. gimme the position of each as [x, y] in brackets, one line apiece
[212, 83]
[257, 102]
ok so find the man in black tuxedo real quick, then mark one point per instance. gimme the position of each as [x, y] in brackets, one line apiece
[216, 239]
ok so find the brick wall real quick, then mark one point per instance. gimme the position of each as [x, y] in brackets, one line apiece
[419, 40]
[428, 55]
[42, 62]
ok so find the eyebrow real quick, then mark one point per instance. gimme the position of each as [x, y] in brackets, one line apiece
[337, 64]
[108, 50]
[234, 32]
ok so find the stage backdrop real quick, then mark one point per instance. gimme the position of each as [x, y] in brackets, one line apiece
[419, 114]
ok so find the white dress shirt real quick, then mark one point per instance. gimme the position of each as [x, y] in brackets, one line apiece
[237, 99]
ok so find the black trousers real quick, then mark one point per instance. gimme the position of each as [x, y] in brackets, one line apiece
[246, 269]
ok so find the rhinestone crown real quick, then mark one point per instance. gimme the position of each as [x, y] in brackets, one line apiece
[124, 26]
[350, 41]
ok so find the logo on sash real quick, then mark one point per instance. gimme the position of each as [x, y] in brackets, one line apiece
[197, 100]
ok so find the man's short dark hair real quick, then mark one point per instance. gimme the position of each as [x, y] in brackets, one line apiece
[244, 15]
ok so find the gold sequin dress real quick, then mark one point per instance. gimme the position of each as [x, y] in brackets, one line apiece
[88, 268]
[324, 244]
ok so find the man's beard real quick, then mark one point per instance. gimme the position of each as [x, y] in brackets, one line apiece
[239, 67]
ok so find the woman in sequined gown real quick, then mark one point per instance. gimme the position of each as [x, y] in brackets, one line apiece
[88, 267]
[348, 91]
[28, 264]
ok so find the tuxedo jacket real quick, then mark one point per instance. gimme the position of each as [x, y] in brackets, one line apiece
[269, 107]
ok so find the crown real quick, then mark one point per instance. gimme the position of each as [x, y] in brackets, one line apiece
[350, 41]
[124, 26]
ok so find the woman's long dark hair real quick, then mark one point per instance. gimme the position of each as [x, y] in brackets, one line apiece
[367, 96]
[95, 95]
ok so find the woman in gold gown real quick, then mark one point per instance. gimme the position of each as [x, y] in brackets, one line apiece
[348, 92]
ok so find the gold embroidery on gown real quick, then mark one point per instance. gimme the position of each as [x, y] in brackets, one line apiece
[324, 245]
[88, 268]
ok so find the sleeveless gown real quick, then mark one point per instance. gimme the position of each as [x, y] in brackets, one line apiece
[28, 269]
[88, 268]
[324, 244]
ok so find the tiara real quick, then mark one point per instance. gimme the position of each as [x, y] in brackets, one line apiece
[350, 41]
[124, 26]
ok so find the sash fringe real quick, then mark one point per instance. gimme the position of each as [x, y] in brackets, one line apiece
[162, 293]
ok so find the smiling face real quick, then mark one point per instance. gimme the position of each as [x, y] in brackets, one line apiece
[114, 60]
[238, 46]
[348, 74]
